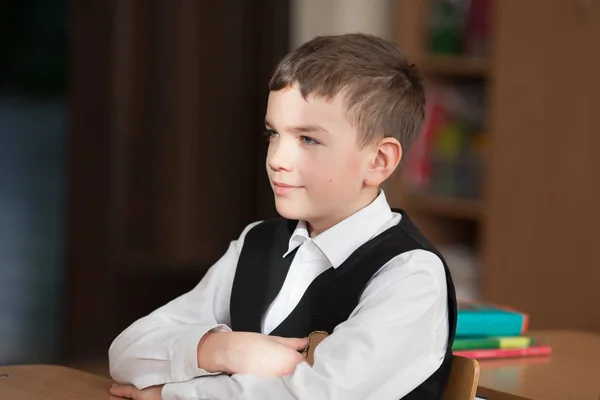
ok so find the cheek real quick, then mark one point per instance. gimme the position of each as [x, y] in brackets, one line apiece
[332, 173]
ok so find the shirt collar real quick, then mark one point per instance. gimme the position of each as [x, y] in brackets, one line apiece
[341, 240]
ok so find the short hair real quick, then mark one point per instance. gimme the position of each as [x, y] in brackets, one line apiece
[383, 92]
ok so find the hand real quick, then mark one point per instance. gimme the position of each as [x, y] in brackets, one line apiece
[131, 392]
[250, 353]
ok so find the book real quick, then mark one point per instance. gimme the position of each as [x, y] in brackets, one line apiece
[542, 350]
[508, 342]
[477, 319]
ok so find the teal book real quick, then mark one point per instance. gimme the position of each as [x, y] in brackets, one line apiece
[485, 320]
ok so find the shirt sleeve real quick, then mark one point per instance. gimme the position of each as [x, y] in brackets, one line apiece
[162, 346]
[393, 341]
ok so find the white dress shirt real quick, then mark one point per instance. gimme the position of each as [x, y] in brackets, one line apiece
[392, 342]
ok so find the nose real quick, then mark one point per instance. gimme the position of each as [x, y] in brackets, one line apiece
[279, 156]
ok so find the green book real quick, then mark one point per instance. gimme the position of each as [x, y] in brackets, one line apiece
[508, 342]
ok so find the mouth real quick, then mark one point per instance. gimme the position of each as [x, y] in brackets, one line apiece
[281, 188]
[283, 185]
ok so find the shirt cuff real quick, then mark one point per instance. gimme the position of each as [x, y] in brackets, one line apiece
[177, 391]
[184, 365]
[168, 392]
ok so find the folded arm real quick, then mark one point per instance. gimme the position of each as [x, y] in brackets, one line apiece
[162, 347]
[394, 340]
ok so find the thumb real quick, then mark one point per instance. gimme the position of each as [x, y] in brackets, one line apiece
[294, 343]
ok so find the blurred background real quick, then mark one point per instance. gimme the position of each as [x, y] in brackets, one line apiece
[131, 152]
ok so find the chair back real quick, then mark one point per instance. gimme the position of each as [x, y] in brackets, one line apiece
[463, 380]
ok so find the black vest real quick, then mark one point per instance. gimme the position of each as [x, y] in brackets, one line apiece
[333, 295]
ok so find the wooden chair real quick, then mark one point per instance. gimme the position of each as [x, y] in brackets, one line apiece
[464, 377]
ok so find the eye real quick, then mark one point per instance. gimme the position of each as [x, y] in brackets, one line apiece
[270, 134]
[308, 140]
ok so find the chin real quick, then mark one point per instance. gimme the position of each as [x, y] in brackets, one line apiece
[289, 210]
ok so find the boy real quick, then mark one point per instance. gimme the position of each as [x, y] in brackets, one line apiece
[341, 113]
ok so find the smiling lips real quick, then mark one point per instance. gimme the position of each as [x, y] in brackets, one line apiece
[281, 188]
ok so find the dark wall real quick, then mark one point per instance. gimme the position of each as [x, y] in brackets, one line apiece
[167, 105]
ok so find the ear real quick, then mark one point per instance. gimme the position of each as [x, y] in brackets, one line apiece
[386, 157]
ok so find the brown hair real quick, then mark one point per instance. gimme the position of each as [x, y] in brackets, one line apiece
[383, 93]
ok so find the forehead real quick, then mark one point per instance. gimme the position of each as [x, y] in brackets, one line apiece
[288, 107]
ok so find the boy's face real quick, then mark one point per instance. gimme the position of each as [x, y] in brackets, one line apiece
[316, 168]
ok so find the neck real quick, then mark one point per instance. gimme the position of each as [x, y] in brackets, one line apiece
[316, 227]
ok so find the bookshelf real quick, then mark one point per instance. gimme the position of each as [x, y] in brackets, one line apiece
[534, 226]
[447, 219]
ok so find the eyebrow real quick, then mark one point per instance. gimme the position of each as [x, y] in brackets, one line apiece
[309, 128]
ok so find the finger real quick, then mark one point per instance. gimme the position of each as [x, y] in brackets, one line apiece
[294, 343]
[125, 391]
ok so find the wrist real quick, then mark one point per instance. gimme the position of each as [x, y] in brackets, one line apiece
[212, 351]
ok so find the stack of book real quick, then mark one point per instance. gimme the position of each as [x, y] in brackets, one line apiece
[486, 331]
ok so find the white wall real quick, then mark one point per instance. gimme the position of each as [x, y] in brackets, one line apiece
[310, 18]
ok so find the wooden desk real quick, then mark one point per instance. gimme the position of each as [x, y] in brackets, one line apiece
[47, 382]
[572, 372]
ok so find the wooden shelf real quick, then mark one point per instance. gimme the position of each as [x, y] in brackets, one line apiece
[444, 205]
[453, 66]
